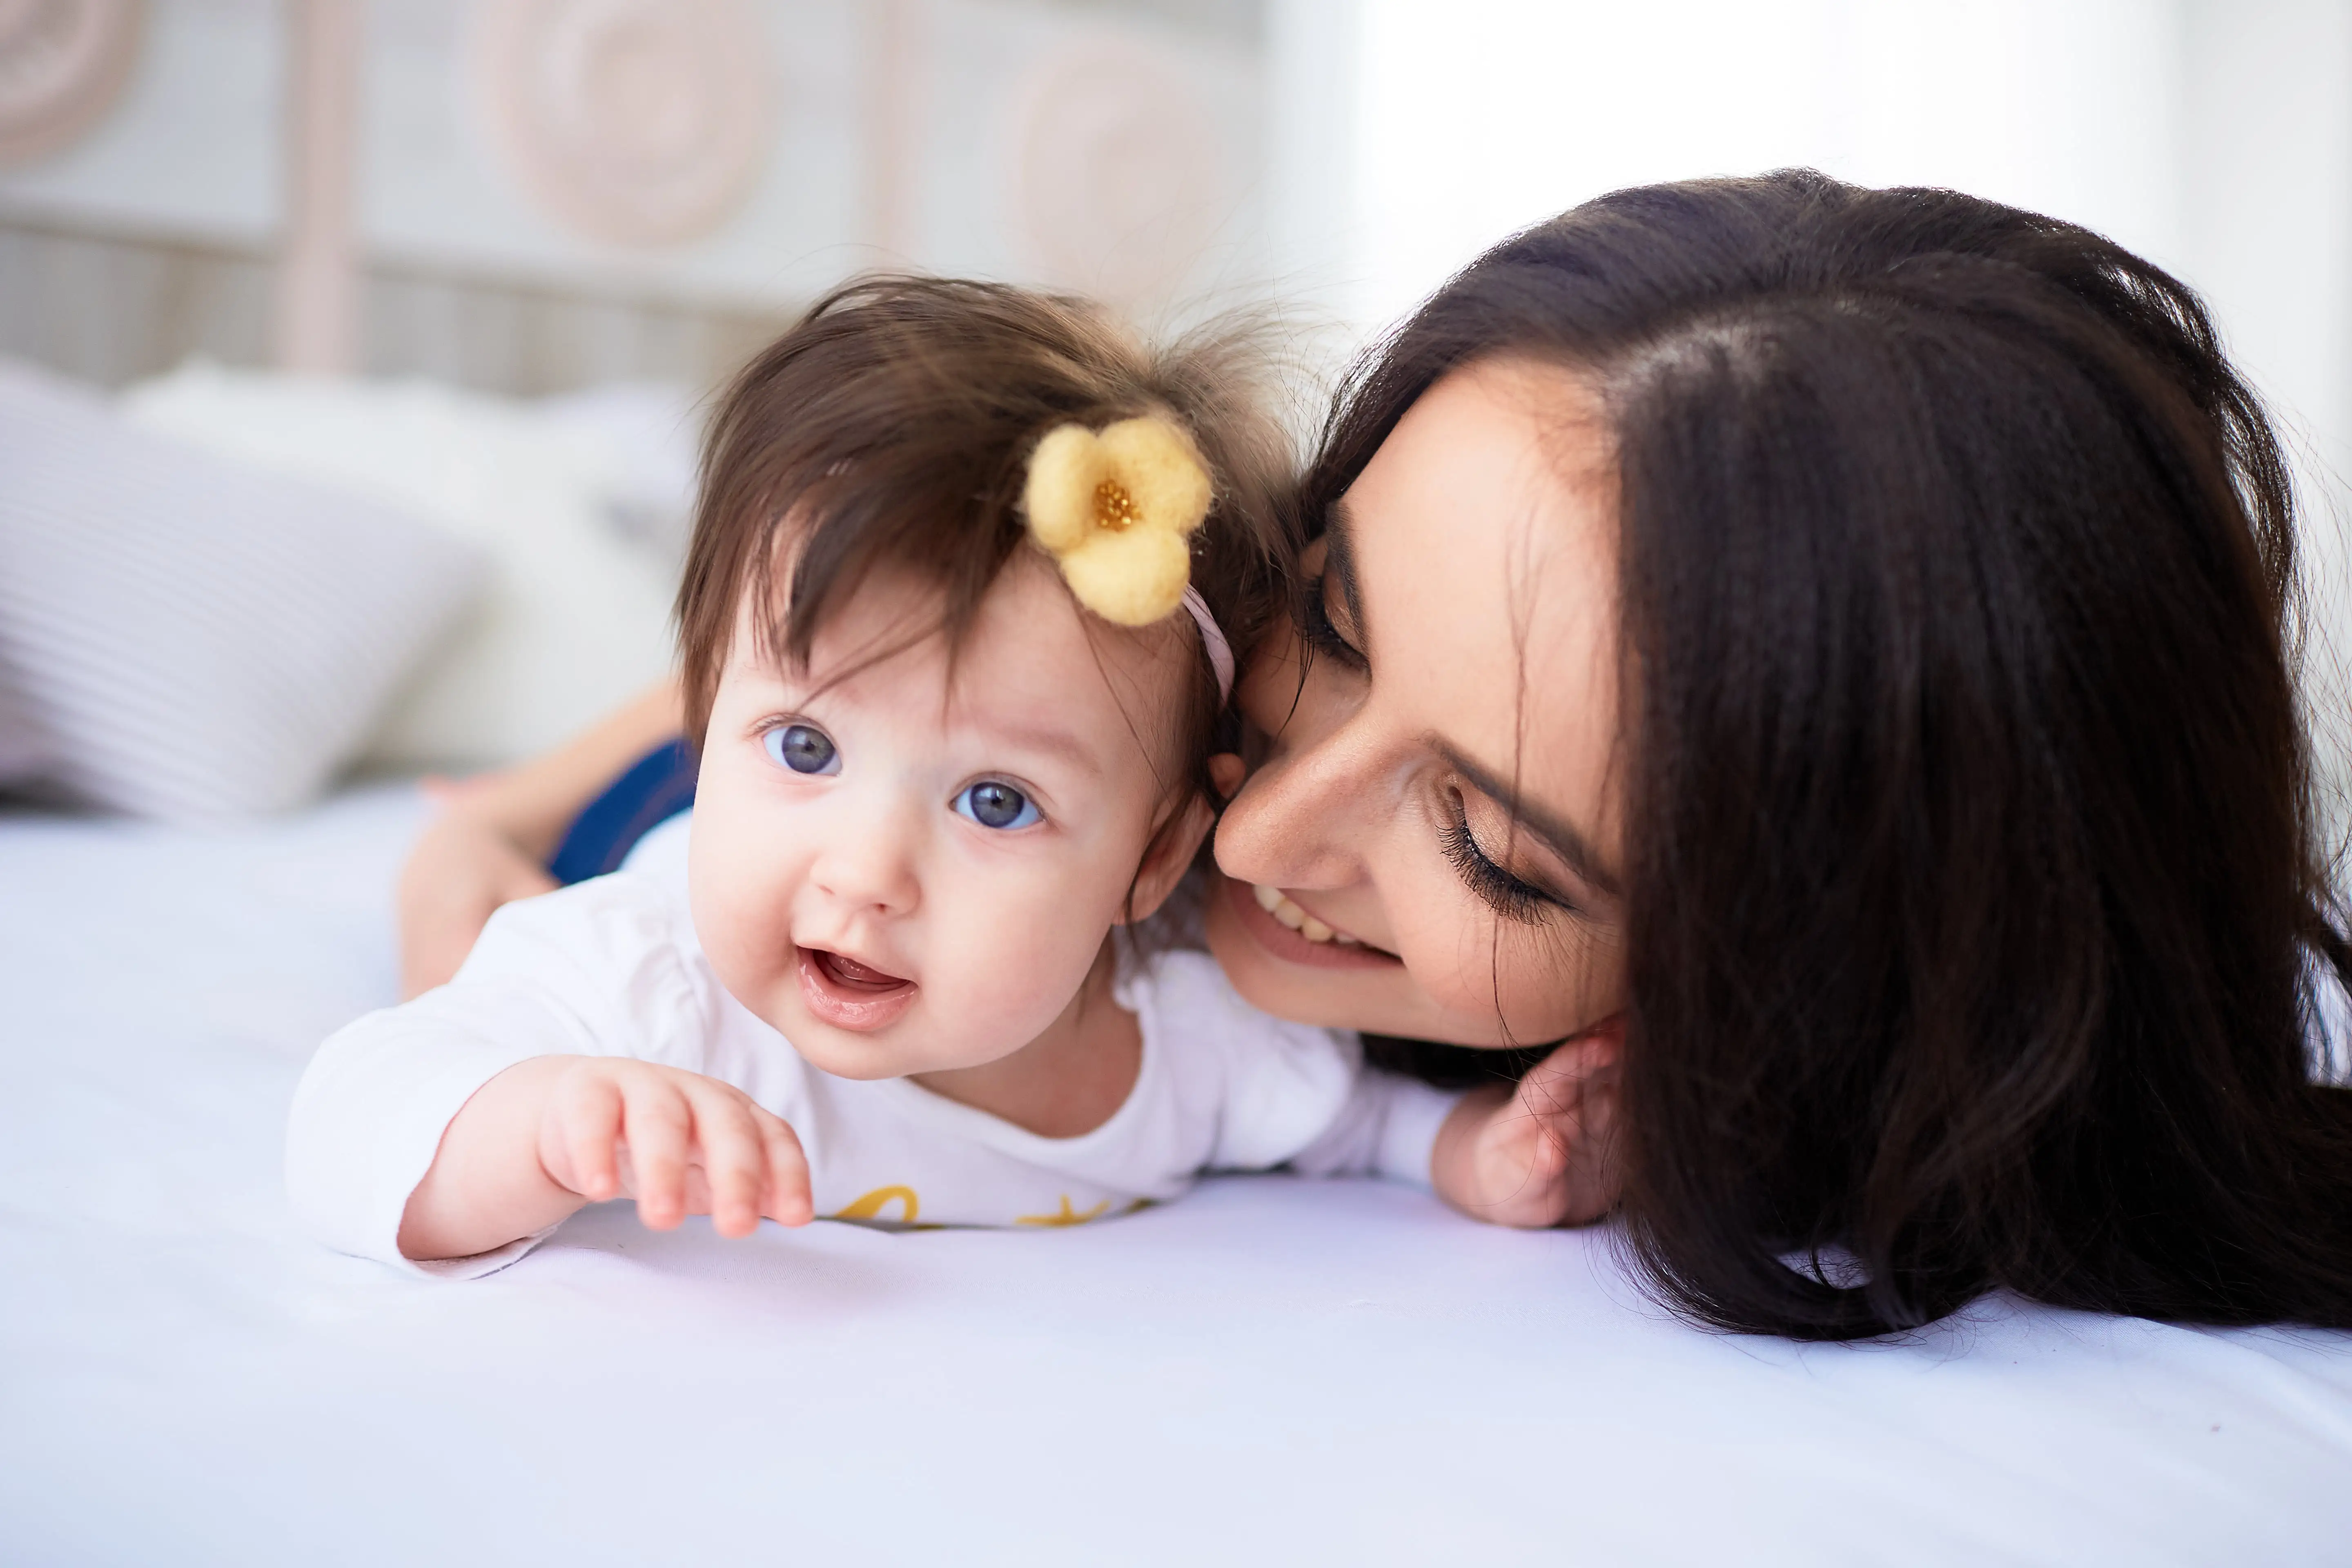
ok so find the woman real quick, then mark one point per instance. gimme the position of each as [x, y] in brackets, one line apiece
[1840, 635]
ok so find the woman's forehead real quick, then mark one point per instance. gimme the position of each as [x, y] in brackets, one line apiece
[1491, 503]
[1482, 542]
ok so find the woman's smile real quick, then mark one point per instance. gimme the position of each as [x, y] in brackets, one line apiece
[1267, 920]
[1289, 912]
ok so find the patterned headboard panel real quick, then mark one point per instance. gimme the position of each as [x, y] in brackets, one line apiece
[530, 195]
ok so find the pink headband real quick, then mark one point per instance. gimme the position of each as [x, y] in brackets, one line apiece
[1212, 641]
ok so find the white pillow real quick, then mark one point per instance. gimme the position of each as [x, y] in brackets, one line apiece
[185, 638]
[578, 503]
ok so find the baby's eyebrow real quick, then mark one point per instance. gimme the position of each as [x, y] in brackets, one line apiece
[1050, 742]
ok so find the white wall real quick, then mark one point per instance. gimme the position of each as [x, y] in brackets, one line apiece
[2266, 179]
[1484, 114]
[2214, 136]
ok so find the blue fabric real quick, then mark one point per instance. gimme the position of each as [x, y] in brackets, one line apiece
[659, 786]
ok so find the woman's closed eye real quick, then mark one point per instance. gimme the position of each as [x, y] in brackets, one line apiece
[802, 748]
[1323, 634]
[1508, 895]
[991, 803]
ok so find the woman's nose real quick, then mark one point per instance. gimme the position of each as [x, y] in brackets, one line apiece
[1288, 826]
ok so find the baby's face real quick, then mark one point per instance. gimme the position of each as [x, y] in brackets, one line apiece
[906, 873]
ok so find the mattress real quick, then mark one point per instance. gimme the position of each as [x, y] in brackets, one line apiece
[1271, 1370]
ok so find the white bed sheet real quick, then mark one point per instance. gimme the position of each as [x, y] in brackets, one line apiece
[1273, 1370]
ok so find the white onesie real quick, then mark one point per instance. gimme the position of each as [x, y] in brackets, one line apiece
[610, 967]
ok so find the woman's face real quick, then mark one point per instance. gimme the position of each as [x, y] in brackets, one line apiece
[1437, 796]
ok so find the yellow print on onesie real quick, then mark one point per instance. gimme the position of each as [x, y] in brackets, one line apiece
[1066, 1216]
[867, 1210]
[1079, 1217]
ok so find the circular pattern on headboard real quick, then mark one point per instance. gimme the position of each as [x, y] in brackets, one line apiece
[636, 122]
[62, 65]
[1119, 176]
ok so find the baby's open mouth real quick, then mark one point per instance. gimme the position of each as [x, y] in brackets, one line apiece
[843, 969]
[850, 995]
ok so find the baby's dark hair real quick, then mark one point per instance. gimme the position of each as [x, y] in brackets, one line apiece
[892, 426]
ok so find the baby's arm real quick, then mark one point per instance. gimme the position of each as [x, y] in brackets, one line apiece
[1541, 1153]
[1305, 1098]
[553, 1132]
[562, 1067]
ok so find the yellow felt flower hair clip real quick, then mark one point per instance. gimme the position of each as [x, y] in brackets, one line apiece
[1116, 509]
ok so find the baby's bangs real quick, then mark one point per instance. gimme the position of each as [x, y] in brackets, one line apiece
[844, 533]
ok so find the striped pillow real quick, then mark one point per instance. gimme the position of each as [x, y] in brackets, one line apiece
[185, 638]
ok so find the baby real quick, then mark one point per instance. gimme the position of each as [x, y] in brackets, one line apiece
[957, 631]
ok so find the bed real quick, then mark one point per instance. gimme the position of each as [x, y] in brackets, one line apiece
[1271, 1371]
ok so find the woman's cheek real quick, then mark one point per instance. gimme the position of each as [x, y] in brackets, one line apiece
[1449, 952]
[1557, 980]
[1480, 969]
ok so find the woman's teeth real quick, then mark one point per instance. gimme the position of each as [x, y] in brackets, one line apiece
[1272, 901]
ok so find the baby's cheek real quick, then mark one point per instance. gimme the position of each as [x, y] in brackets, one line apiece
[746, 936]
[1017, 968]
[1012, 988]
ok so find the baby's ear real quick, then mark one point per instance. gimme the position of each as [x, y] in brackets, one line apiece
[1226, 770]
[1167, 858]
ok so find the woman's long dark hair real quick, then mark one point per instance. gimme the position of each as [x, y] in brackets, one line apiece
[1974, 906]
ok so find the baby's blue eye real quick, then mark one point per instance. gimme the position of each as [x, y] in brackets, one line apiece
[994, 804]
[802, 748]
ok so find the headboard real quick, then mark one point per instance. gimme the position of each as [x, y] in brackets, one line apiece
[527, 195]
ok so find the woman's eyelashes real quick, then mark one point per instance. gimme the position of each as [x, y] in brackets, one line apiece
[1323, 635]
[802, 748]
[1509, 896]
[991, 803]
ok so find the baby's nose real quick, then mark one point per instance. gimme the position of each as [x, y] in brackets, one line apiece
[872, 868]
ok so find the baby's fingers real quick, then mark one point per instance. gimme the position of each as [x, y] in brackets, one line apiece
[1574, 1093]
[587, 1110]
[1547, 1153]
[785, 1198]
[734, 1161]
[658, 1129]
[1555, 1086]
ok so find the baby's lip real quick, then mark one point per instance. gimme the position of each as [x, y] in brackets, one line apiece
[851, 994]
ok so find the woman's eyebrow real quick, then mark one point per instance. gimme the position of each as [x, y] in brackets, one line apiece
[1557, 834]
[1339, 564]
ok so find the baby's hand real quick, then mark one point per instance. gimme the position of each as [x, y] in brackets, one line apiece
[678, 1143]
[1541, 1154]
